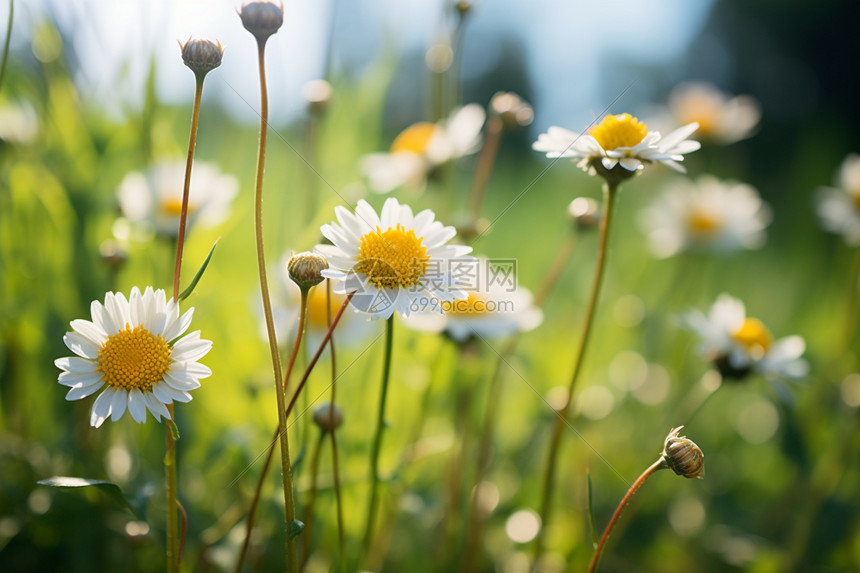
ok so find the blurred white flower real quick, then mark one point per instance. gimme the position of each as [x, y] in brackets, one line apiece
[722, 118]
[619, 140]
[393, 261]
[496, 306]
[154, 199]
[839, 208]
[423, 146]
[18, 123]
[739, 345]
[706, 215]
[286, 303]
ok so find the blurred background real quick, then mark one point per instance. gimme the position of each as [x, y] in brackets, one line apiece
[95, 90]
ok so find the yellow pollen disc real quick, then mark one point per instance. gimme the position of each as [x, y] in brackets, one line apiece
[754, 335]
[134, 358]
[702, 223]
[617, 131]
[316, 307]
[173, 206]
[414, 138]
[392, 258]
[472, 306]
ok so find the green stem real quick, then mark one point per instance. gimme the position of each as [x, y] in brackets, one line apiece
[8, 40]
[172, 522]
[309, 511]
[289, 503]
[595, 560]
[377, 440]
[609, 193]
[334, 457]
[484, 166]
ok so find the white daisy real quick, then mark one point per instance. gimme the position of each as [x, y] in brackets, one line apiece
[423, 146]
[839, 208]
[739, 344]
[154, 199]
[286, 303]
[619, 140]
[134, 347]
[495, 306]
[19, 124]
[706, 215]
[393, 261]
[722, 118]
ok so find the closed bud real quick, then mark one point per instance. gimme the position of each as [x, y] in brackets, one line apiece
[584, 212]
[328, 418]
[683, 456]
[202, 56]
[262, 19]
[512, 109]
[463, 7]
[306, 269]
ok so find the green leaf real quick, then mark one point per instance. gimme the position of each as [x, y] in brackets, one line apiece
[109, 488]
[591, 521]
[187, 292]
[296, 527]
[174, 431]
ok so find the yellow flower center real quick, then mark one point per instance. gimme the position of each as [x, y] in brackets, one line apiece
[393, 258]
[415, 138]
[317, 315]
[703, 223]
[755, 336]
[702, 110]
[473, 305]
[134, 358]
[617, 131]
[173, 206]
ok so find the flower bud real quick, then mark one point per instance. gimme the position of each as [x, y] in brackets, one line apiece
[584, 212]
[113, 255]
[328, 418]
[202, 56]
[683, 456]
[512, 109]
[463, 7]
[317, 93]
[262, 19]
[306, 269]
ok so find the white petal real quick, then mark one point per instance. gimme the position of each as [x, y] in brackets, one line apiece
[179, 326]
[89, 330]
[181, 381]
[190, 348]
[156, 406]
[118, 404]
[137, 405]
[78, 392]
[75, 364]
[101, 408]
[79, 378]
[81, 345]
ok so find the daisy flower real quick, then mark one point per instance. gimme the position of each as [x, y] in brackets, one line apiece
[839, 208]
[423, 146]
[706, 215]
[495, 306]
[619, 140]
[154, 199]
[722, 118]
[133, 347]
[286, 303]
[18, 123]
[739, 344]
[393, 261]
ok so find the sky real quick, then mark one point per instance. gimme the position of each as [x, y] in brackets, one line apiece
[568, 46]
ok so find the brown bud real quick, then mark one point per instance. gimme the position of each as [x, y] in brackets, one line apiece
[512, 109]
[584, 212]
[202, 56]
[306, 269]
[683, 456]
[262, 19]
[328, 418]
[463, 7]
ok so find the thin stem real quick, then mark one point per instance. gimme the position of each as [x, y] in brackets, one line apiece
[377, 440]
[172, 524]
[334, 457]
[183, 217]
[556, 267]
[484, 166]
[595, 560]
[183, 529]
[850, 321]
[289, 503]
[303, 311]
[609, 193]
[8, 40]
[309, 511]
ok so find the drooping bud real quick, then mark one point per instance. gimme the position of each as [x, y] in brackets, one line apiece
[306, 269]
[202, 56]
[584, 212]
[328, 418]
[262, 19]
[683, 456]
